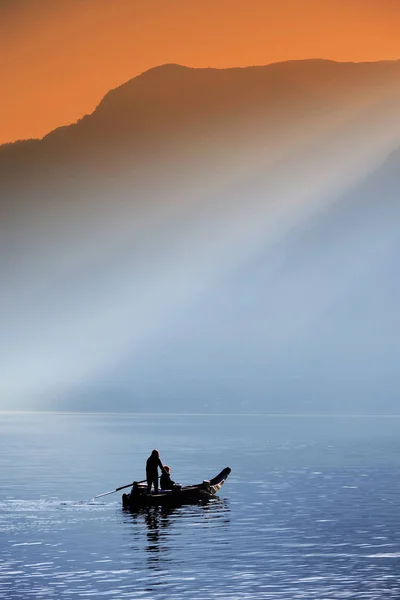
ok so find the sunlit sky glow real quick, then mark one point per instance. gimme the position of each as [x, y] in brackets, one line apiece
[60, 57]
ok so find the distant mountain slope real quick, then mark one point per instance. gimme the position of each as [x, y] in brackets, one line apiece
[207, 218]
[170, 101]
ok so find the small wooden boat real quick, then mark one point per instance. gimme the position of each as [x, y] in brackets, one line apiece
[188, 494]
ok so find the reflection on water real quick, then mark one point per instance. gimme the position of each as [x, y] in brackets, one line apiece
[162, 522]
[154, 520]
[310, 511]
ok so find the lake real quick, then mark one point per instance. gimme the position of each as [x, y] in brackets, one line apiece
[310, 510]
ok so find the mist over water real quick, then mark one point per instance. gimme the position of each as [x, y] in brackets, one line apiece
[310, 509]
[178, 251]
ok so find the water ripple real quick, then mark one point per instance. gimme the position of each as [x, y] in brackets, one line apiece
[304, 524]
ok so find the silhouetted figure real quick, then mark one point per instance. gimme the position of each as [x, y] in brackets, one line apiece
[166, 482]
[152, 464]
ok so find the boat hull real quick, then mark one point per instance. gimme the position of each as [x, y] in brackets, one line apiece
[178, 496]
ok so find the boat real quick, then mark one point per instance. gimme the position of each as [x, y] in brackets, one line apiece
[177, 496]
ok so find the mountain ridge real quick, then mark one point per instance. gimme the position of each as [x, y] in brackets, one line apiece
[156, 115]
[167, 68]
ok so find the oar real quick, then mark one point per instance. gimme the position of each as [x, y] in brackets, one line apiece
[118, 488]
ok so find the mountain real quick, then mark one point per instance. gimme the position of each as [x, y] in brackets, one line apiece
[205, 240]
[170, 110]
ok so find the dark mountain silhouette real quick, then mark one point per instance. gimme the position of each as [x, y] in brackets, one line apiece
[168, 105]
[217, 239]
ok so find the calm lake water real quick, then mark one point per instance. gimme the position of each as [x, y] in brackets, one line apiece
[310, 511]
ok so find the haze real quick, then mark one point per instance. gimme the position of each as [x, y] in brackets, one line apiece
[205, 239]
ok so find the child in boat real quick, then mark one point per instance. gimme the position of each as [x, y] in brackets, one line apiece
[166, 482]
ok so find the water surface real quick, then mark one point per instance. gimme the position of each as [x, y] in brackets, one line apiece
[310, 510]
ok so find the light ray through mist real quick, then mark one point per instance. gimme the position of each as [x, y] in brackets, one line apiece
[92, 287]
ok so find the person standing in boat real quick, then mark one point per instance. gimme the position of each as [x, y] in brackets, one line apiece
[152, 464]
[166, 482]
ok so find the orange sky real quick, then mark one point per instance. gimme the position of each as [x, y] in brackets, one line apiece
[59, 57]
